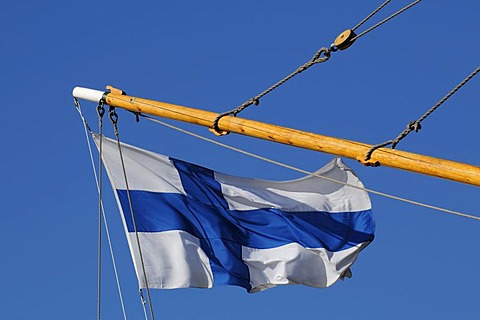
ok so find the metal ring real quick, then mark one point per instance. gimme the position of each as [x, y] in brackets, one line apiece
[100, 110]
[113, 115]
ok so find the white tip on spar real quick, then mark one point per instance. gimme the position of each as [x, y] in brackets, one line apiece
[87, 94]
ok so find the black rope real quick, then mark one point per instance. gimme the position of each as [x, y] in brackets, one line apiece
[416, 125]
[114, 119]
[322, 55]
[100, 112]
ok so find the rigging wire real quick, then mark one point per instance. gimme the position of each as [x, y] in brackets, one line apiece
[101, 112]
[322, 55]
[386, 195]
[384, 20]
[143, 302]
[370, 15]
[87, 131]
[114, 120]
[415, 125]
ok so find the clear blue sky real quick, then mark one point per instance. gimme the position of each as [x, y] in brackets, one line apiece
[214, 55]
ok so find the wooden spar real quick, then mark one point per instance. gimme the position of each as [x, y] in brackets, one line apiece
[431, 166]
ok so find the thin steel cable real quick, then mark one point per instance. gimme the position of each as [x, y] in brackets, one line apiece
[143, 302]
[114, 118]
[88, 131]
[370, 15]
[310, 173]
[416, 125]
[384, 20]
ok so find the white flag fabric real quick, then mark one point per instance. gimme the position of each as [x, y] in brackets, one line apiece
[200, 228]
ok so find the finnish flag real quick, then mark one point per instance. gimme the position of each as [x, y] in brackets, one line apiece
[200, 228]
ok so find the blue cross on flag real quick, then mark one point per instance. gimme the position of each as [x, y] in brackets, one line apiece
[200, 228]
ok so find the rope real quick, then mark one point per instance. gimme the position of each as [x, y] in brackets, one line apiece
[384, 20]
[114, 119]
[88, 130]
[310, 173]
[370, 15]
[101, 112]
[322, 55]
[415, 125]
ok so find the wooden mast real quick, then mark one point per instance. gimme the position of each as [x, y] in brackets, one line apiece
[431, 166]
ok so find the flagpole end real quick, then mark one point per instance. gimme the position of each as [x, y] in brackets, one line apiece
[88, 94]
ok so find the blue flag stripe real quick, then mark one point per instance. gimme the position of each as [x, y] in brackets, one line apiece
[262, 229]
